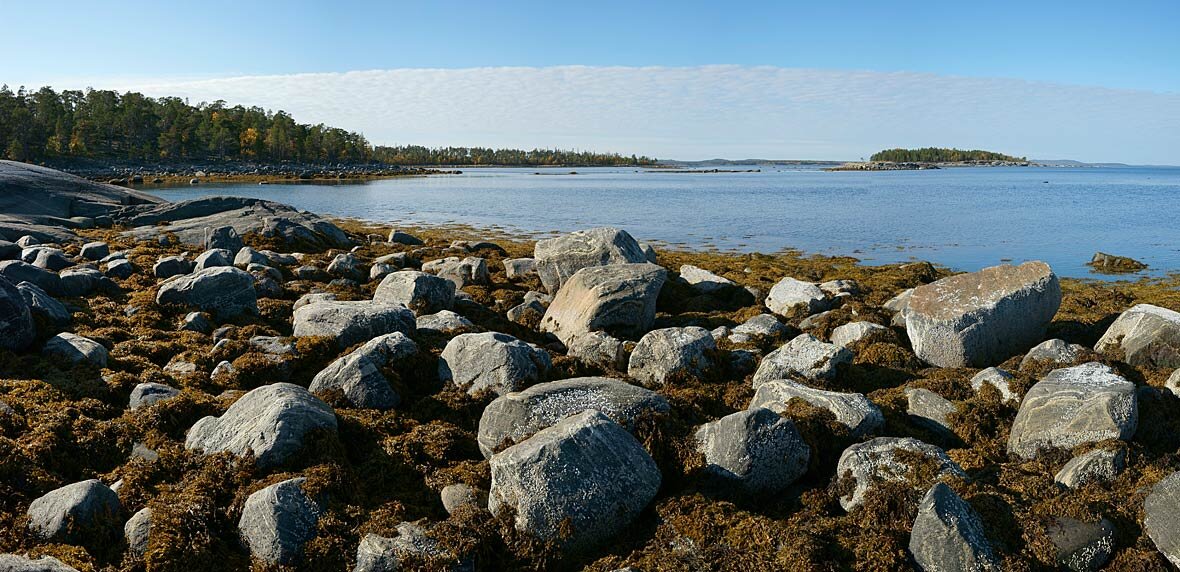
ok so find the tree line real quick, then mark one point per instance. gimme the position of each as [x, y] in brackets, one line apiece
[47, 126]
[940, 155]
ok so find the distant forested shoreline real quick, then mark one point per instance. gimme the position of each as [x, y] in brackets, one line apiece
[941, 155]
[47, 126]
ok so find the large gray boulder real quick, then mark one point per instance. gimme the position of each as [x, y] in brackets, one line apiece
[358, 375]
[17, 329]
[16, 271]
[278, 521]
[852, 410]
[756, 450]
[579, 482]
[351, 323]
[420, 292]
[512, 418]
[270, 421]
[41, 304]
[1144, 336]
[17, 563]
[558, 259]
[1072, 406]
[462, 272]
[1161, 517]
[664, 353]
[491, 361]
[619, 299]
[878, 460]
[948, 534]
[73, 349]
[789, 293]
[804, 356]
[189, 221]
[981, 318]
[78, 512]
[225, 292]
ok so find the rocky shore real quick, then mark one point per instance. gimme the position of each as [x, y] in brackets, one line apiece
[231, 384]
[145, 173]
[917, 166]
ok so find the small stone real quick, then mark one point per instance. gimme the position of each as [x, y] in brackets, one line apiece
[763, 325]
[346, 266]
[463, 272]
[1053, 351]
[224, 237]
[519, 268]
[213, 258]
[1161, 517]
[444, 322]
[399, 237]
[136, 531]
[929, 410]
[350, 323]
[420, 292]
[459, 495]
[121, 269]
[757, 450]
[95, 250]
[600, 350]
[169, 266]
[704, 281]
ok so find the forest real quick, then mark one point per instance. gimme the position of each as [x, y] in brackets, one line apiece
[50, 126]
[940, 155]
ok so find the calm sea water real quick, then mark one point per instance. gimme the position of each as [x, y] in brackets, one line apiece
[964, 218]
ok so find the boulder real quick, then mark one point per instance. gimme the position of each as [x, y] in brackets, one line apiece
[852, 410]
[519, 268]
[52, 259]
[803, 356]
[137, 530]
[278, 521]
[757, 450]
[247, 256]
[399, 237]
[558, 259]
[16, 563]
[444, 322]
[351, 323]
[346, 266]
[224, 292]
[763, 325]
[849, 334]
[74, 349]
[997, 378]
[213, 258]
[80, 281]
[41, 304]
[982, 318]
[512, 418]
[1161, 517]
[95, 251]
[929, 409]
[121, 269]
[1081, 546]
[169, 266]
[491, 361]
[85, 511]
[225, 238]
[789, 293]
[196, 322]
[17, 329]
[420, 292]
[578, 483]
[1053, 351]
[358, 376]
[619, 299]
[1144, 336]
[270, 421]
[703, 281]
[379, 270]
[662, 354]
[879, 460]
[1073, 406]
[1099, 465]
[463, 272]
[948, 534]
[145, 394]
[16, 272]
[600, 350]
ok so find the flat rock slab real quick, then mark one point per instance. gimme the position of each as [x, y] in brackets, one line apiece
[191, 220]
[1072, 406]
[1144, 336]
[982, 318]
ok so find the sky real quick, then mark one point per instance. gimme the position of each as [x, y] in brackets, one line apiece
[1093, 81]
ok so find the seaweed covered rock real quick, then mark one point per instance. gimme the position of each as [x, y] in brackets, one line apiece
[1081, 546]
[579, 482]
[491, 361]
[358, 375]
[997, 378]
[72, 349]
[756, 450]
[1099, 465]
[788, 293]
[1053, 351]
[1072, 406]
[411, 545]
[1161, 517]
[350, 323]
[558, 259]
[949, 535]
[225, 292]
[667, 352]
[1144, 336]
[16, 563]
[512, 418]
[619, 299]
[852, 410]
[981, 318]
[17, 329]
[804, 356]
[420, 292]
[86, 511]
[278, 521]
[888, 459]
[270, 422]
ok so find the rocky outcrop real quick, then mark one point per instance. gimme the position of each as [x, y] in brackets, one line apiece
[1072, 406]
[558, 259]
[1145, 335]
[190, 221]
[619, 299]
[982, 318]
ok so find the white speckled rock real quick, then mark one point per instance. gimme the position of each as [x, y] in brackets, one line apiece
[1053, 351]
[756, 450]
[877, 460]
[852, 410]
[661, 354]
[278, 521]
[1071, 406]
[586, 475]
[512, 418]
[491, 361]
[997, 378]
[1099, 465]
[270, 421]
[789, 293]
[619, 299]
[358, 375]
[351, 323]
[803, 356]
[1161, 517]
[949, 536]
[558, 259]
[1145, 335]
[982, 318]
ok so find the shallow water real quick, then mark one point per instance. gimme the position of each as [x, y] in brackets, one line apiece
[964, 218]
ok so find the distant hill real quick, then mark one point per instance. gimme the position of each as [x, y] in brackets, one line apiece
[941, 155]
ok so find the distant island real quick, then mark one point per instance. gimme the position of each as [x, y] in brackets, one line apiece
[931, 158]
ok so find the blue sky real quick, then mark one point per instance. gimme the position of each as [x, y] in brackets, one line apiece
[194, 48]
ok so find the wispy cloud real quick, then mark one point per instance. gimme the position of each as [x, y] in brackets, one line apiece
[709, 111]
